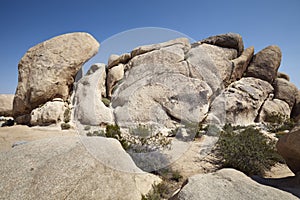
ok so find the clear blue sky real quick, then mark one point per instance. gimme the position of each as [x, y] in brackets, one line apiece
[25, 23]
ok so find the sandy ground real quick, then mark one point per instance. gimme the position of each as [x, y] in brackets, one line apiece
[13, 134]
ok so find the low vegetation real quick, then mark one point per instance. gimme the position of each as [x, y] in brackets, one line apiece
[247, 150]
[65, 126]
[277, 122]
[172, 180]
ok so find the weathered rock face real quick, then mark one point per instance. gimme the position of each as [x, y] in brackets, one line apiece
[47, 70]
[228, 184]
[265, 64]
[6, 104]
[211, 64]
[296, 108]
[239, 104]
[114, 75]
[51, 112]
[285, 91]
[66, 170]
[274, 106]
[229, 40]
[283, 75]
[241, 63]
[158, 89]
[288, 146]
[89, 108]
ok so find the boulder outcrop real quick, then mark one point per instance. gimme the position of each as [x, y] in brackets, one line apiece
[51, 112]
[285, 91]
[228, 40]
[88, 105]
[265, 64]
[48, 70]
[228, 184]
[274, 107]
[288, 147]
[240, 103]
[65, 169]
[6, 104]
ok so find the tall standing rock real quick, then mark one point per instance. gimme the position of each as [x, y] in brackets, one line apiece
[48, 70]
[285, 91]
[265, 64]
[89, 108]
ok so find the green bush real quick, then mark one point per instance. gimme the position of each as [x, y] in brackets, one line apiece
[246, 150]
[65, 126]
[113, 131]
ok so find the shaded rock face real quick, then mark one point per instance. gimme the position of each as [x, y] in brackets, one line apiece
[240, 103]
[288, 146]
[265, 64]
[6, 104]
[285, 91]
[66, 170]
[47, 70]
[229, 40]
[274, 106]
[296, 108]
[228, 184]
[89, 108]
[241, 63]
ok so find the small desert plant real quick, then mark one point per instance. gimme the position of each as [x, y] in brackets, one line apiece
[113, 131]
[67, 115]
[158, 192]
[65, 126]
[105, 101]
[141, 131]
[87, 128]
[247, 150]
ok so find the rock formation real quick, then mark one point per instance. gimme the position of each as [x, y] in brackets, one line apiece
[6, 105]
[288, 147]
[48, 70]
[265, 64]
[228, 184]
[89, 109]
[64, 169]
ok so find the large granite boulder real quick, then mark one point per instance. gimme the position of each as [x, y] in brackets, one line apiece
[88, 105]
[265, 64]
[228, 40]
[72, 168]
[296, 108]
[229, 184]
[239, 104]
[158, 89]
[48, 70]
[285, 90]
[211, 64]
[6, 104]
[51, 112]
[288, 146]
[274, 107]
